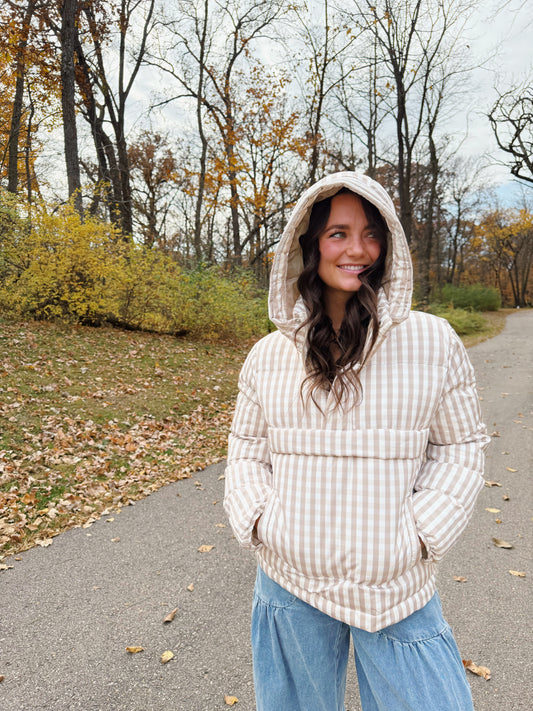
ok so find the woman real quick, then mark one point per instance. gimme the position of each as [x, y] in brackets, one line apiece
[355, 459]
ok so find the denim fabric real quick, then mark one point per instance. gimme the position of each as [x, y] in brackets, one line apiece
[300, 658]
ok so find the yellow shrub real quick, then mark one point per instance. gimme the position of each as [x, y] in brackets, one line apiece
[57, 266]
[60, 267]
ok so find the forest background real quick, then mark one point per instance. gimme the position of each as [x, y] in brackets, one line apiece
[188, 130]
[185, 131]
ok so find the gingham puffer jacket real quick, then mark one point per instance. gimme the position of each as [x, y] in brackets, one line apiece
[344, 493]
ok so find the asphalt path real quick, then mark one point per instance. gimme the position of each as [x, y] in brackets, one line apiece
[68, 611]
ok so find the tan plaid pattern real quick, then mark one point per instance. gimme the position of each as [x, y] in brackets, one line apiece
[344, 493]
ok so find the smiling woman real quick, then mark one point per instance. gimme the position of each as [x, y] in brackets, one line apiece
[355, 458]
[343, 251]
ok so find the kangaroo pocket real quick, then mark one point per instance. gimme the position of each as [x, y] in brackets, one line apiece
[343, 502]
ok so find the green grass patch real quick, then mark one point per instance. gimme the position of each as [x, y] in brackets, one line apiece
[463, 322]
[94, 418]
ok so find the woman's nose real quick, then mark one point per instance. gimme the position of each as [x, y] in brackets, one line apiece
[354, 244]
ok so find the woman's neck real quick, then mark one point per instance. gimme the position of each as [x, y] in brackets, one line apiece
[335, 303]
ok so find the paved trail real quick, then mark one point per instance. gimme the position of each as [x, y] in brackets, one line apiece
[67, 612]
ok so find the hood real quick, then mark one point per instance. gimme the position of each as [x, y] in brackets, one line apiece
[286, 308]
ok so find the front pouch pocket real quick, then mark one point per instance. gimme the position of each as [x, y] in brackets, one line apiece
[344, 511]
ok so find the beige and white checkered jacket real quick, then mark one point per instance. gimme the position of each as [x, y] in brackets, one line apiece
[344, 493]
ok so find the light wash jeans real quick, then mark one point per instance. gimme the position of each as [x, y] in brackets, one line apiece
[300, 657]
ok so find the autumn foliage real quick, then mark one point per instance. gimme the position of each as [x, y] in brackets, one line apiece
[54, 265]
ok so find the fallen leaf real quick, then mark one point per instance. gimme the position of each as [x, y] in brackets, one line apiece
[221, 525]
[115, 540]
[506, 498]
[460, 578]
[134, 650]
[190, 587]
[501, 544]
[3, 566]
[230, 700]
[496, 434]
[205, 549]
[518, 573]
[475, 669]
[498, 520]
[510, 469]
[222, 476]
[171, 615]
[492, 483]
[44, 543]
[493, 510]
[166, 657]
[1, 678]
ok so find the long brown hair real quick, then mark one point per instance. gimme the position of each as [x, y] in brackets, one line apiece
[361, 309]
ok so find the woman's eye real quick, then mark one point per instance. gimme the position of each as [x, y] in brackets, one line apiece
[336, 235]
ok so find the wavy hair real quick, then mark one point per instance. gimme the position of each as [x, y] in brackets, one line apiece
[360, 317]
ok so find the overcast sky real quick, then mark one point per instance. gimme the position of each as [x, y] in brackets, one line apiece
[501, 36]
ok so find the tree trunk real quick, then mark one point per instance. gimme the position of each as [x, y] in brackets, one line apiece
[429, 227]
[203, 156]
[29, 189]
[125, 187]
[68, 41]
[16, 114]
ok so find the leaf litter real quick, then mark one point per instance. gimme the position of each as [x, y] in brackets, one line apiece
[171, 615]
[477, 670]
[94, 419]
[501, 544]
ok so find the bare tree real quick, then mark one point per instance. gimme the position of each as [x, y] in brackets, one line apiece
[462, 183]
[417, 47]
[325, 44]
[362, 99]
[511, 119]
[132, 14]
[207, 70]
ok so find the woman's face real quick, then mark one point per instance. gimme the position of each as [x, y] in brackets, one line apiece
[347, 246]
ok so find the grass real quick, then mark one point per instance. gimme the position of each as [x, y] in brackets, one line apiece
[494, 324]
[92, 419]
[95, 418]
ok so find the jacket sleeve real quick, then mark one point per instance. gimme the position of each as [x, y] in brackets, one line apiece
[451, 477]
[248, 473]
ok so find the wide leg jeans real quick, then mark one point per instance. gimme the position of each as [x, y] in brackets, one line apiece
[301, 654]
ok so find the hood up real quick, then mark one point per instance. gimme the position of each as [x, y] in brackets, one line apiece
[286, 309]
